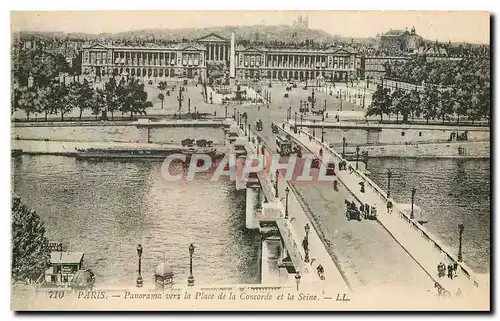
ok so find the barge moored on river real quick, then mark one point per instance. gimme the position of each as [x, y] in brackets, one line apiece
[141, 153]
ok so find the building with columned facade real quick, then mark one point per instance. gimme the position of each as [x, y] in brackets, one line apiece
[295, 64]
[202, 57]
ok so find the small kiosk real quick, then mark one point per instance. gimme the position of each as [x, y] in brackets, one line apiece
[164, 276]
[64, 265]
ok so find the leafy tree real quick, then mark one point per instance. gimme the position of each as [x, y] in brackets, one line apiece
[85, 94]
[61, 99]
[161, 97]
[111, 92]
[24, 99]
[133, 98]
[430, 98]
[397, 103]
[447, 104]
[30, 254]
[46, 100]
[98, 102]
[381, 102]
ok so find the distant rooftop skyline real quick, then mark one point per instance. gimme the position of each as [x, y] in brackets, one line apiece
[458, 26]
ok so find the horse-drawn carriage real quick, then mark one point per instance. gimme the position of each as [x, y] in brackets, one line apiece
[352, 212]
[274, 128]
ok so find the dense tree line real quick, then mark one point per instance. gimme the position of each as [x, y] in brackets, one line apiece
[431, 103]
[440, 72]
[450, 88]
[42, 66]
[30, 252]
[127, 97]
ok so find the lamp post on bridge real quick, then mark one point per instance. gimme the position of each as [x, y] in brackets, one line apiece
[225, 111]
[322, 134]
[357, 156]
[287, 190]
[139, 281]
[249, 133]
[297, 280]
[460, 232]
[191, 277]
[340, 97]
[189, 105]
[344, 144]
[306, 247]
[180, 98]
[276, 186]
[413, 191]
[295, 127]
[301, 118]
[234, 113]
[389, 174]
[314, 128]
[289, 113]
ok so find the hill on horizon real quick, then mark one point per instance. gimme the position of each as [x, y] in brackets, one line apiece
[283, 33]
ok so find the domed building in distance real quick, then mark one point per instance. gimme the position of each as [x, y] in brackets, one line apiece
[400, 42]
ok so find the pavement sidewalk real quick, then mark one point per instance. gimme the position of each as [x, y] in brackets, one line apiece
[424, 250]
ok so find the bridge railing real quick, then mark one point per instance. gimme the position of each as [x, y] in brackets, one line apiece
[437, 245]
[296, 252]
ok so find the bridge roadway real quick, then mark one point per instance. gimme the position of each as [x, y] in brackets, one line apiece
[404, 243]
[292, 232]
[366, 255]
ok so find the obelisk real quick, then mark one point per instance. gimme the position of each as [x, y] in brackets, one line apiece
[232, 60]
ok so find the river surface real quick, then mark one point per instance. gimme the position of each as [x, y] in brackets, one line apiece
[105, 209]
[449, 191]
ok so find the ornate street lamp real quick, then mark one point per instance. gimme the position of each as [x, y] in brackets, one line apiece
[295, 127]
[301, 118]
[297, 280]
[344, 144]
[389, 174]
[180, 99]
[460, 232]
[322, 134]
[413, 191]
[189, 105]
[314, 128]
[357, 156]
[276, 186]
[249, 133]
[287, 190]
[139, 281]
[306, 249]
[340, 97]
[234, 114]
[191, 277]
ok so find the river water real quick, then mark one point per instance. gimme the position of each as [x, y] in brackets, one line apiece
[450, 192]
[105, 209]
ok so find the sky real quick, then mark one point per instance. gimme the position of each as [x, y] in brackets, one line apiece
[457, 26]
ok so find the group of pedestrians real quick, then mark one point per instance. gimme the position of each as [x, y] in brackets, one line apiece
[450, 271]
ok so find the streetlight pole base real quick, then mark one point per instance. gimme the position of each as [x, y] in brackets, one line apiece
[139, 282]
[190, 280]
